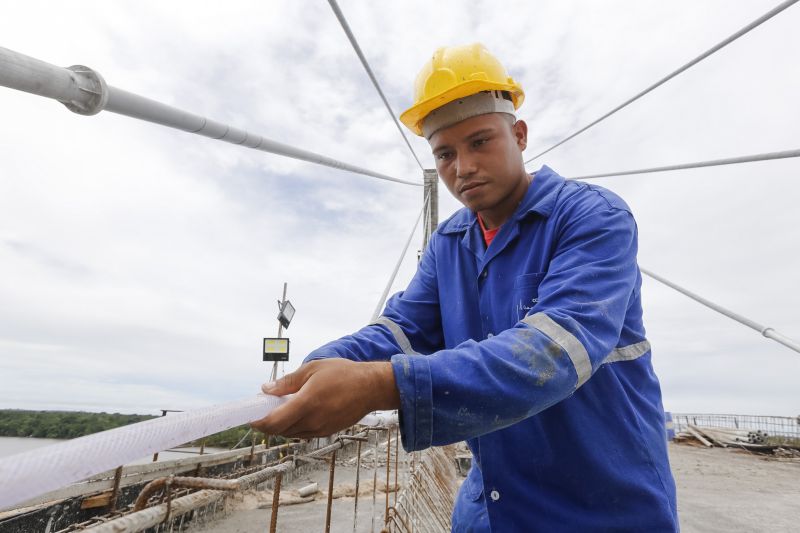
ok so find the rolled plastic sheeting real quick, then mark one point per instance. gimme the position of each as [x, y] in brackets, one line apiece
[380, 418]
[29, 474]
[26, 475]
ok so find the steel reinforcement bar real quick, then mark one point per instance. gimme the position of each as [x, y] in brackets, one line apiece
[163, 513]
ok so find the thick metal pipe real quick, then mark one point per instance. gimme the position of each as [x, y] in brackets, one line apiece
[79, 88]
[783, 339]
[135, 106]
[766, 331]
[84, 91]
[24, 73]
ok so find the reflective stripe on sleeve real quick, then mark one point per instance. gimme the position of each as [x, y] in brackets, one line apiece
[628, 353]
[575, 350]
[397, 333]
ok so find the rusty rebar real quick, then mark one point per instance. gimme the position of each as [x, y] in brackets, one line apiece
[252, 449]
[112, 502]
[154, 515]
[352, 437]
[184, 482]
[396, 463]
[388, 465]
[330, 493]
[358, 475]
[276, 498]
[438, 489]
[395, 515]
[168, 490]
[374, 481]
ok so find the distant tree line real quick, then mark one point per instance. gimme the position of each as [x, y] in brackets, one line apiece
[60, 424]
[242, 436]
[72, 424]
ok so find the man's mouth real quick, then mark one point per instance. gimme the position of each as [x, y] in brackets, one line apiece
[471, 185]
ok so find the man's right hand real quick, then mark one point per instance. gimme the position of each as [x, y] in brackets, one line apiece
[329, 395]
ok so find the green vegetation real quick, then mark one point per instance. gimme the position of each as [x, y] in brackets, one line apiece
[231, 437]
[72, 424]
[60, 424]
[786, 442]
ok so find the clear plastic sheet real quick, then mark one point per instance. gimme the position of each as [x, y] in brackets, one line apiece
[30, 474]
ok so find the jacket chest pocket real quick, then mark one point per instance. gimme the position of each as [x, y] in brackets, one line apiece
[526, 293]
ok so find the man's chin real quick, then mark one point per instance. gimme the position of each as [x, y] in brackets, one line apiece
[476, 205]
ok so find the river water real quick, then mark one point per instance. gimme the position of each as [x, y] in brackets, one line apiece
[12, 445]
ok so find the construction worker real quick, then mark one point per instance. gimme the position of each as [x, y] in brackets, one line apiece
[521, 333]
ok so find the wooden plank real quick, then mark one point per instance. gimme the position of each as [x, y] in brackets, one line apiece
[98, 500]
[720, 439]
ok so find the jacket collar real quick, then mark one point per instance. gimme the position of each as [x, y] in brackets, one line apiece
[539, 198]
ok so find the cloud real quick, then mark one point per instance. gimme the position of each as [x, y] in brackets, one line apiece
[139, 266]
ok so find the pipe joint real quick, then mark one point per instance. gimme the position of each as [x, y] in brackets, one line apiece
[92, 88]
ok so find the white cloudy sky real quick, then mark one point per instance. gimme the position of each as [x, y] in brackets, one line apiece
[139, 266]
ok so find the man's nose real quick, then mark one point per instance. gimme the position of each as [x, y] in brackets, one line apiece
[465, 165]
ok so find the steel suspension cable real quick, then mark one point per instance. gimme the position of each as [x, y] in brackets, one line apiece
[382, 301]
[352, 38]
[84, 91]
[786, 154]
[760, 20]
[766, 331]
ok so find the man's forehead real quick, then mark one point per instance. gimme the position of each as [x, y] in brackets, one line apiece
[467, 128]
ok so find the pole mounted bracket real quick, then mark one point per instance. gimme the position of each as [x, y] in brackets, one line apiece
[93, 91]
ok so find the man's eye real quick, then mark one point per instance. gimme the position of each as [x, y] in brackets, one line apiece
[444, 156]
[479, 142]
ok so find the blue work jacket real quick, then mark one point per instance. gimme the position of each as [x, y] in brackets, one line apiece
[533, 350]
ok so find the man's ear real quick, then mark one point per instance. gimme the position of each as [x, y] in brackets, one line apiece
[520, 129]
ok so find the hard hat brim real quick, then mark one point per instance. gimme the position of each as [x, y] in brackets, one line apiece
[414, 115]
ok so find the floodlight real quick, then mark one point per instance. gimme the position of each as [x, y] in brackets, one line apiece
[286, 313]
[276, 349]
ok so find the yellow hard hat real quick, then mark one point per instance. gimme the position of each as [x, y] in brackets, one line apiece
[456, 72]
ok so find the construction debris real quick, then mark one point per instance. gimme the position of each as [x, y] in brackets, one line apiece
[755, 441]
[308, 490]
[786, 453]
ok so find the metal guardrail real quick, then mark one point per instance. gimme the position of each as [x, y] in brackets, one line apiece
[779, 427]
